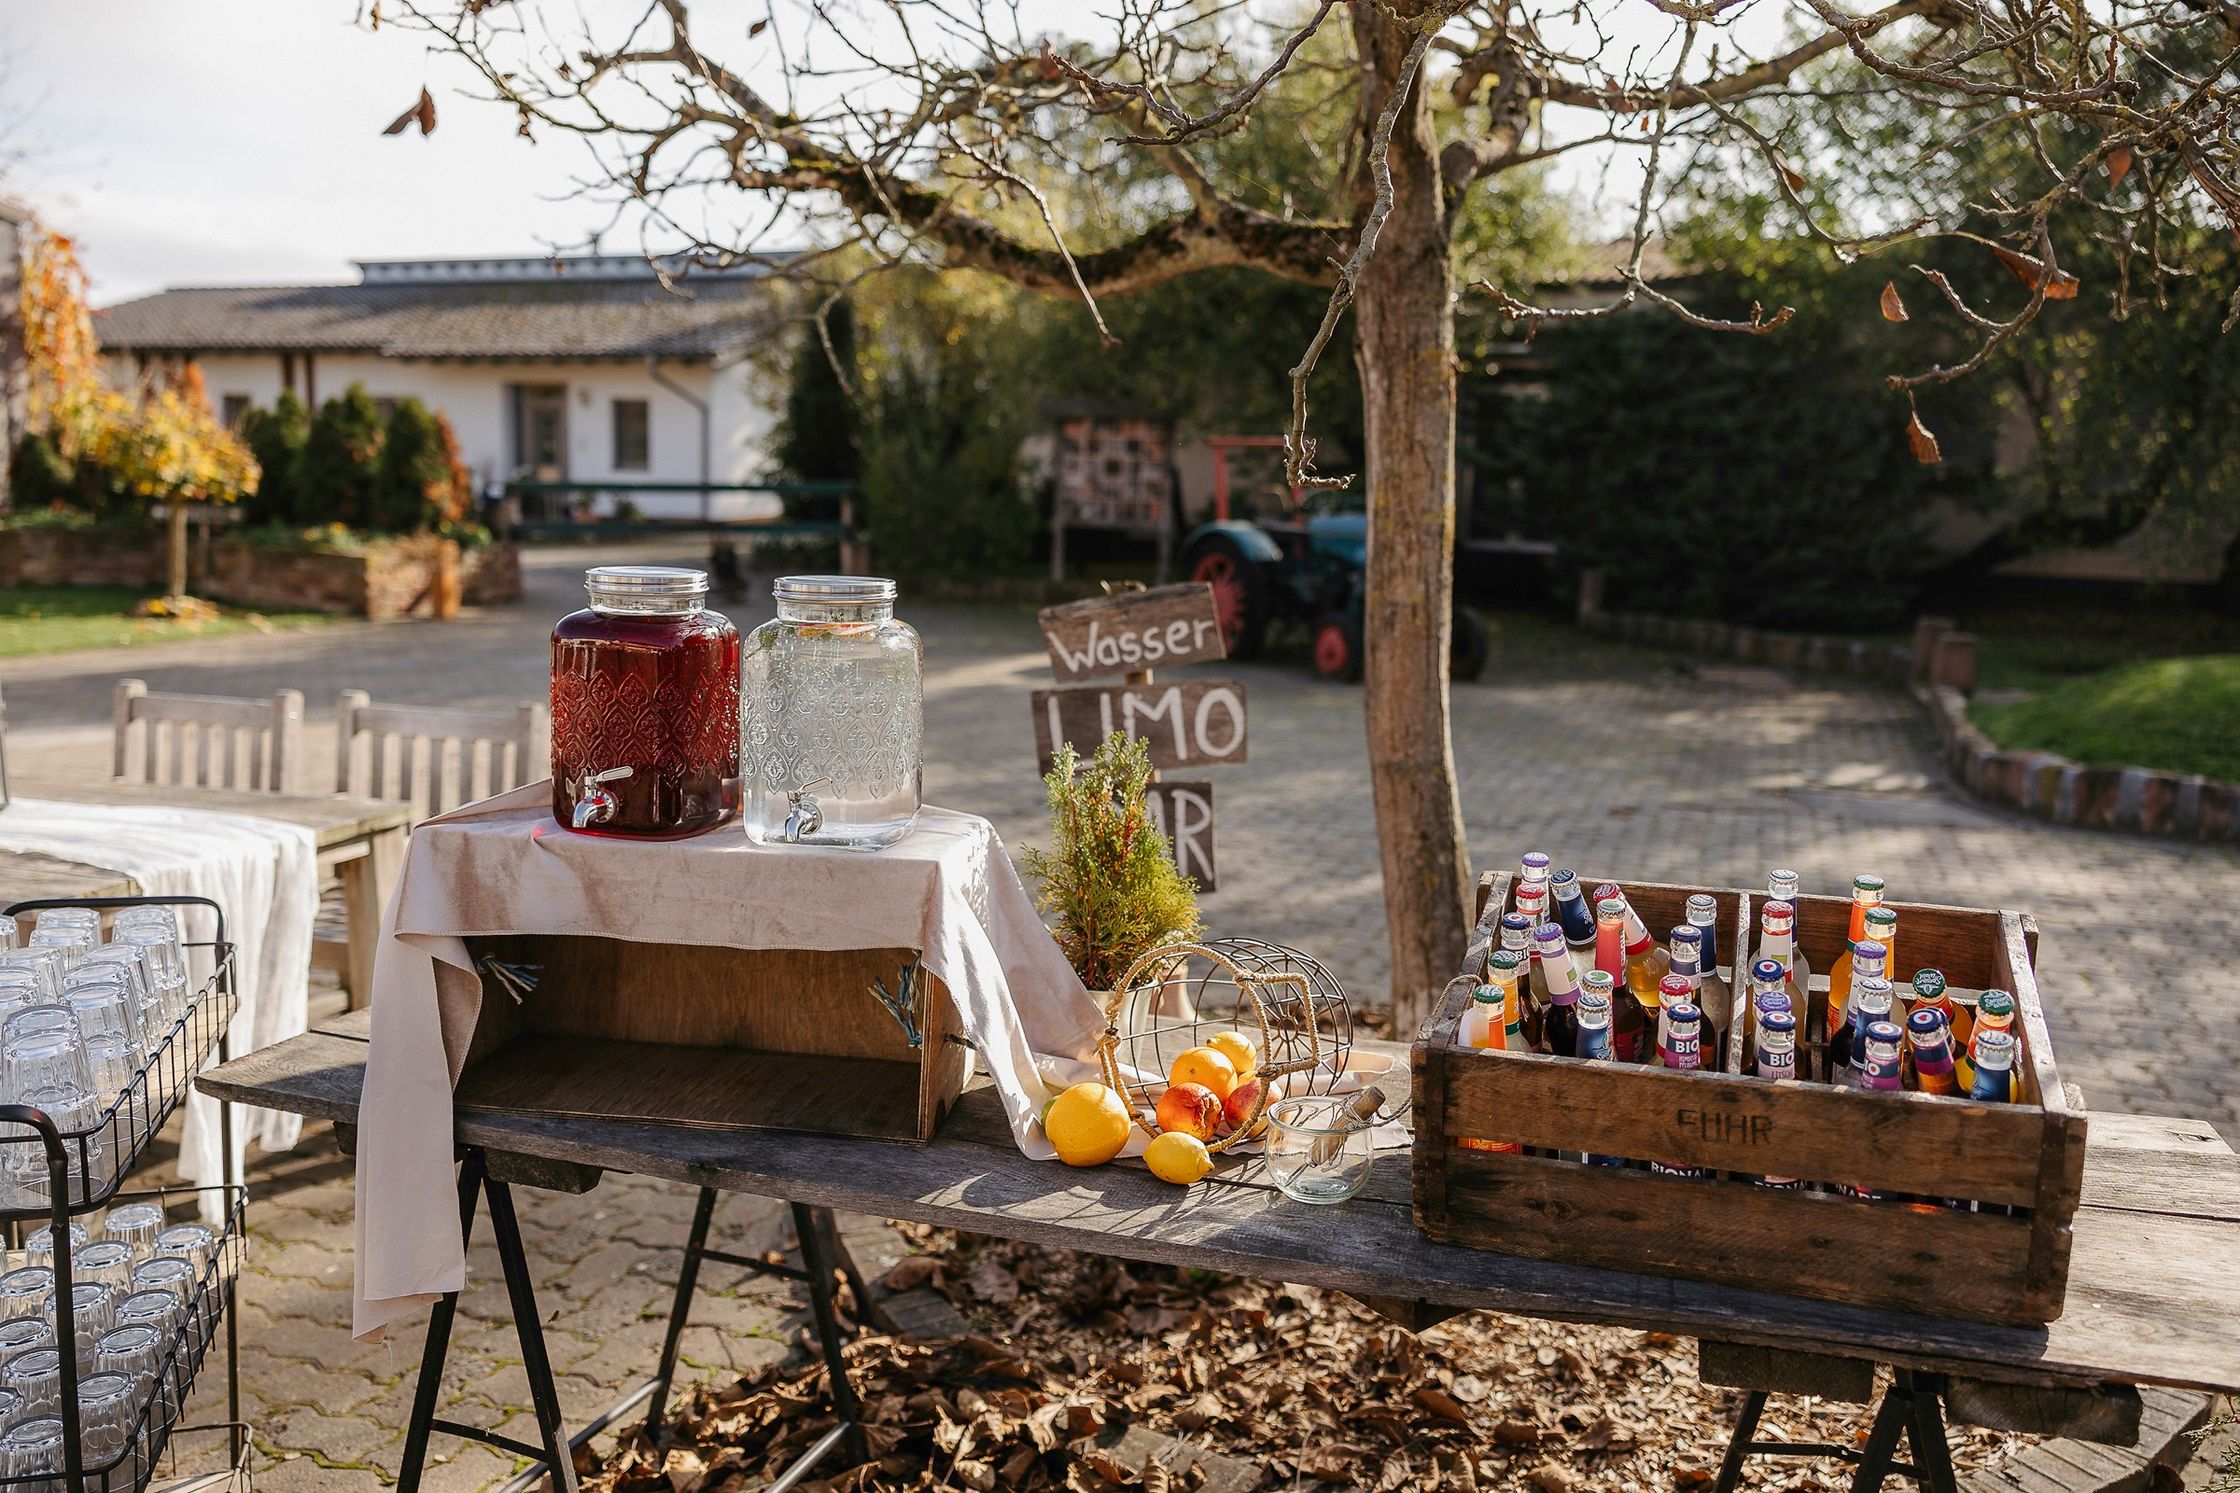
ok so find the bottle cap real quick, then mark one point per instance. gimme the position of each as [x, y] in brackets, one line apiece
[1768, 972]
[1884, 1031]
[1871, 993]
[1516, 931]
[1536, 864]
[1882, 915]
[1782, 882]
[1684, 1014]
[1867, 884]
[1548, 935]
[1870, 948]
[1702, 907]
[1565, 882]
[1928, 984]
[1994, 1049]
[1776, 1024]
[1674, 988]
[1926, 1025]
[1995, 1003]
[1688, 933]
[1594, 1008]
[1487, 995]
[1608, 890]
[1597, 980]
[1608, 908]
[1778, 912]
[1509, 961]
[1775, 1000]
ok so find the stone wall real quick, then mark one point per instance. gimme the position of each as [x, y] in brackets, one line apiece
[390, 578]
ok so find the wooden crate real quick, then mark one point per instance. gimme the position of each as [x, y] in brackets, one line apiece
[2024, 1162]
[730, 1039]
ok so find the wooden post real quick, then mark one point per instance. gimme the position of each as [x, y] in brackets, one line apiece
[346, 708]
[1926, 631]
[128, 691]
[1953, 661]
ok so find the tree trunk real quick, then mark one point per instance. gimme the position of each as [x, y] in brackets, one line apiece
[1404, 345]
[178, 516]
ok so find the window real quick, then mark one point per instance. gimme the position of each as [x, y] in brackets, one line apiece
[633, 430]
[232, 408]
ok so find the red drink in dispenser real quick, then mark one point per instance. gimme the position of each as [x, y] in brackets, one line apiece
[645, 707]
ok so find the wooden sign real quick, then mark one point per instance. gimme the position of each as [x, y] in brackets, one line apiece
[1196, 723]
[1184, 813]
[1132, 631]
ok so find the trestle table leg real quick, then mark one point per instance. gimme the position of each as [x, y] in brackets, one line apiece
[688, 1280]
[1890, 1421]
[1932, 1454]
[817, 1261]
[1738, 1446]
[544, 1395]
[438, 1345]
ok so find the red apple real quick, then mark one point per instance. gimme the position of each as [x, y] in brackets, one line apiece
[1191, 1108]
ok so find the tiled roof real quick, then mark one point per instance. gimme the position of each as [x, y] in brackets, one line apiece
[625, 319]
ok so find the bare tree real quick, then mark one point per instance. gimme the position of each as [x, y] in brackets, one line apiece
[936, 131]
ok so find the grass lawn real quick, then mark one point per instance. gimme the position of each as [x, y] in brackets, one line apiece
[2174, 714]
[62, 619]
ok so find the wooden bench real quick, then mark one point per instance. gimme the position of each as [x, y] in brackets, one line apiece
[2157, 1242]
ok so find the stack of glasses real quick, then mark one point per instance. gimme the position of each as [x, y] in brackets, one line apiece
[80, 1021]
[134, 1291]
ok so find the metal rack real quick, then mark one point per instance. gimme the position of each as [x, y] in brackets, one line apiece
[78, 1184]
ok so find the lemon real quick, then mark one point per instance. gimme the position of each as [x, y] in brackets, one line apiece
[1207, 1066]
[1178, 1156]
[1087, 1124]
[1238, 1049]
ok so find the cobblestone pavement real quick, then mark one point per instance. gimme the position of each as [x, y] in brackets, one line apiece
[1610, 757]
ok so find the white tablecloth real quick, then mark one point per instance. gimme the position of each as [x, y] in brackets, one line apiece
[504, 866]
[262, 872]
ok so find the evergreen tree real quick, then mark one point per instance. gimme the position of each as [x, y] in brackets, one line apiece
[276, 438]
[816, 437]
[416, 482]
[334, 481]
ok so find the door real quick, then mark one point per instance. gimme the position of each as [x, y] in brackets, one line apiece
[540, 432]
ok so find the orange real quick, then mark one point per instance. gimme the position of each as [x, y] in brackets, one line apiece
[1207, 1066]
[1238, 1049]
[1087, 1124]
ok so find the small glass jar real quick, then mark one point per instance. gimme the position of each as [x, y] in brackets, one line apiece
[834, 714]
[1319, 1150]
[645, 707]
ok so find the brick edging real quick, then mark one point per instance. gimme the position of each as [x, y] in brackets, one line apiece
[2136, 800]
[1891, 663]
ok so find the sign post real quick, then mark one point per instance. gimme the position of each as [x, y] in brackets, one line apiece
[1193, 723]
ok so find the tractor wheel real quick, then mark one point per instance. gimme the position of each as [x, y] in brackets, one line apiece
[1337, 647]
[1466, 655]
[1240, 591]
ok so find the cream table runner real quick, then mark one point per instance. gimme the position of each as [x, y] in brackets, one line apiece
[505, 866]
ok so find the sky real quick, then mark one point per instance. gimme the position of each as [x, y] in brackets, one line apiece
[239, 142]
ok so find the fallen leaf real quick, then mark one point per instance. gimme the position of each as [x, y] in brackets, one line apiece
[758, 28]
[1691, 1477]
[2119, 166]
[1440, 1403]
[1925, 448]
[1550, 1478]
[1893, 306]
[2030, 271]
[1517, 1433]
[910, 1272]
[422, 113]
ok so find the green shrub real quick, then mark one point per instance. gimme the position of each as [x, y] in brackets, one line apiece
[334, 480]
[276, 439]
[40, 476]
[418, 482]
[816, 436]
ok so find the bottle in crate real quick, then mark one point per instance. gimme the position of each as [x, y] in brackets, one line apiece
[1872, 1000]
[1866, 892]
[1869, 962]
[1684, 959]
[1777, 1063]
[1994, 1013]
[1992, 1081]
[1882, 927]
[1777, 943]
[1683, 1053]
[1559, 1025]
[1929, 1041]
[1880, 1071]
[1637, 951]
[1594, 1046]
[1534, 870]
[1931, 992]
[1672, 991]
[1568, 906]
[1492, 1006]
[1783, 886]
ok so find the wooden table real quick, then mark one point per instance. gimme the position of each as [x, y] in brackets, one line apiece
[2157, 1240]
[360, 839]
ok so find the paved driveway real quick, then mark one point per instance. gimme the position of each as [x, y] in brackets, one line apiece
[1610, 757]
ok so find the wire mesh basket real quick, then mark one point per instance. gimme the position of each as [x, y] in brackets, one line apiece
[1185, 995]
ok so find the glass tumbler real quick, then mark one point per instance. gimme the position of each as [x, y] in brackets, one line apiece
[19, 987]
[36, 1376]
[38, 1245]
[45, 966]
[159, 1309]
[1318, 1151]
[645, 707]
[24, 1293]
[109, 1021]
[21, 1334]
[104, 1262]
[167, 964]
[172, 1273]
[91, 1314]
[131, 960]
[834, 716]
[136, 1226]
[134, 1350]
[70, 917]
[33, 1447]
[108, 1418]
[71, 943]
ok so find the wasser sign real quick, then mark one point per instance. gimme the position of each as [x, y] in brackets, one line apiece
[1162, 628]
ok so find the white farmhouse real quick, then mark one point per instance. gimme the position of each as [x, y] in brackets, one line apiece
[582, 369]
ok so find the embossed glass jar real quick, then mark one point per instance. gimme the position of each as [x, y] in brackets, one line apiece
[645, 707]
[834, 713]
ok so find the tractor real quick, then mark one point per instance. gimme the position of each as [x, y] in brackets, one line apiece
[1309, 569]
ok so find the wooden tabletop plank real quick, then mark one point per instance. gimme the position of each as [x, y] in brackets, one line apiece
[335, 818]
[2149, 1300]
[28, 876]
